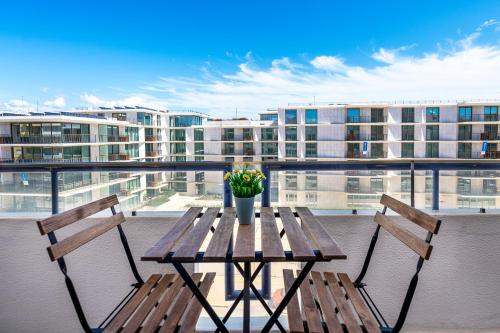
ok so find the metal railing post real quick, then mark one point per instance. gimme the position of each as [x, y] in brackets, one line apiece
[266, 195]
[435, 189]
[412, 176]
[228, 196]
[54, 183]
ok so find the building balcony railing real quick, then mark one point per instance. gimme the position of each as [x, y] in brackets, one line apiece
[365, 119]
[117, 157]
[43, 139]
[269, 138]
[247, 137]
[123, 138]
[248, 152]
[351, 154]
[364, 137]
[228, 152]
[153, 153]
[153, 183]
[483, 193]
[227, 137]
[479, 136]
[477, 117]
[154, 138]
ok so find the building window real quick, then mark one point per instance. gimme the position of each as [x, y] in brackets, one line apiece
[269, 134]
[376, 185]
[353, 150]
[311, 150]
[247, 134]
[432, 132]
[290, 116]
[291, 150]
[408, 115]
[177, 148]
[490, 132]
[377, 133]
[228, 134]
[352, 185]
[432, 114]
[228, 148]
[184, 121]
[490, 113]
[311, 116]
[408, 133]
[291, 133]
[490, 186]
[248, 148]
[291, 197]
[464, 150]
[311, 182]
[311, 198]
[463, 186]
[377, 115]
[353, 115]
[465, 113]
[290, 182]
[176, 135]
[432, 150]
[353, 133]
[199, 148]
[198, 134]
[464, 132]
[377, 150]
[407, 150]
[270, 116]
[406, 184]
[311, 133]
[269, 148]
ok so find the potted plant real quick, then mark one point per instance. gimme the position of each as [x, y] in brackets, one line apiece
[245, 185]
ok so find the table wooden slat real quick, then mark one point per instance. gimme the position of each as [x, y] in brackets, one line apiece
[326, 244]
[298, 242]
[193, 241]
[161, 249]
[272, 249]
[217, 248]
[244, 248]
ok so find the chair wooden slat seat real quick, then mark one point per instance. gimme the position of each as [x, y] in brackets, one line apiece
[157, 300]
[340, 304]
[161, 303]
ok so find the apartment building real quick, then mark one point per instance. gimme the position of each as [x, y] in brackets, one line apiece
[462, 130]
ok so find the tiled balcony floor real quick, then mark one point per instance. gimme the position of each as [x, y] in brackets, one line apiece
[457, 292]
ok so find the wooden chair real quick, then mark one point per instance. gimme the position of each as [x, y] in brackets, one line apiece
[333, 301]
[160, 304]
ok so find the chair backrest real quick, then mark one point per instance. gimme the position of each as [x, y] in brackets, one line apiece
[60, 248]
[430, 223]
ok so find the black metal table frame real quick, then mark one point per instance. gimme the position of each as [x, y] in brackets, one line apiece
[248, 278]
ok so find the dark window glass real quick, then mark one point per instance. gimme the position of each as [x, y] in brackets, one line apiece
[353, 115]
[291, 133]
[432, 114]
[408, 115]
[432, 132]
[407, 150]
[465, 113]
[311, 116]
[290, 116]
[291, 150]
[432, 150]
[408, 132]
[311, 133]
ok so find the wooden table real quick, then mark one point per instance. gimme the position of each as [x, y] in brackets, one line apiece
[309, 243]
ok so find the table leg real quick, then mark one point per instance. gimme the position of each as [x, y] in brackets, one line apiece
[293, 290]
[199, 296]
[258, 295]
[246, 297]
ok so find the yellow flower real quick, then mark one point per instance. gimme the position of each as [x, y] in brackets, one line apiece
[255, 172]
[237, 171]
[246, 178]
[227, 176]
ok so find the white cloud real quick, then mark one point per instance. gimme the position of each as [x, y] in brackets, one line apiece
[57, 103]
[329, 63]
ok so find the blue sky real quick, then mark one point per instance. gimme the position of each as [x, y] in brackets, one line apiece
[217, 56]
